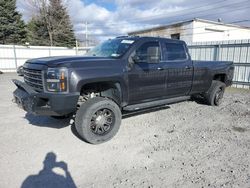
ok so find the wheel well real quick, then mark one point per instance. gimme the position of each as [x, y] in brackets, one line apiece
[220, 77]
[110, 90]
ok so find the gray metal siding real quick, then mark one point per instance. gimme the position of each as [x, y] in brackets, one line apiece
[237, 51]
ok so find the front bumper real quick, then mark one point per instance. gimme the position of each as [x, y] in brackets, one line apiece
[48, 104]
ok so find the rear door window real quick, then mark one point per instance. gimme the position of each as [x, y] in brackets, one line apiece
[175, 52]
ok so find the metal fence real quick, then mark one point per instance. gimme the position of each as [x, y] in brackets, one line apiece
[12, 56]
[237, 51]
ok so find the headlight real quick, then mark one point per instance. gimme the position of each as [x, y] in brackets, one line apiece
[56, 80]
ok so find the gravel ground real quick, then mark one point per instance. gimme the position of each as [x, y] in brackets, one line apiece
[182, 145]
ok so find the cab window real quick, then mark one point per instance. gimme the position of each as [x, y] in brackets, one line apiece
[175, 51]
[149, 52]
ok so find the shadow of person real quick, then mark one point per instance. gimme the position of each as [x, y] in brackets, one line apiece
[47, 178]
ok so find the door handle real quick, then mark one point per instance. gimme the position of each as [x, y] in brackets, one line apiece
[160, 68]
[187, 67]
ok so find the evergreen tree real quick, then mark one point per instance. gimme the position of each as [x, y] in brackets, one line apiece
[61, 27]
[12, 27]
[52, 26]
[37, 32]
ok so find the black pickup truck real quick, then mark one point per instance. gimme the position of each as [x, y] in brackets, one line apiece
[120, 75]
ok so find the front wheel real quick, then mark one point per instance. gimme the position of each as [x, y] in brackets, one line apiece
[98, 120]
[215, 93]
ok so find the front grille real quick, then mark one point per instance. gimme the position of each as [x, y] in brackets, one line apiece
[33, 78]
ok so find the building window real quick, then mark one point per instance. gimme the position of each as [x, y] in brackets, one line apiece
[175, 36]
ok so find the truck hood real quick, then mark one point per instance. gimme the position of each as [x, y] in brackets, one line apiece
[67, 60]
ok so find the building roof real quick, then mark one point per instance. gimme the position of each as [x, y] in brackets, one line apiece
[184, 22]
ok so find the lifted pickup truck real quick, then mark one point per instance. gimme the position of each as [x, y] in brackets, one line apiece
[122, 74]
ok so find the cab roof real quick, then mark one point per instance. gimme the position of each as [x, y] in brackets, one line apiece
[136, 38]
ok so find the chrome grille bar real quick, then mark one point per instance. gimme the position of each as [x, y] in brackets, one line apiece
[33, 78]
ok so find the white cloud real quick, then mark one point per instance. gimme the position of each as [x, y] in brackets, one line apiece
[80, 12]
[131, 15]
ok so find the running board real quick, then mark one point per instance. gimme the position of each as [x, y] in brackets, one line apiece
[155, 103]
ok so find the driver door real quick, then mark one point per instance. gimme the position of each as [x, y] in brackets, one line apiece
[147, 76]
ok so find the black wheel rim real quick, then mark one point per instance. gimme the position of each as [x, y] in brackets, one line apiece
[102, 121]
[218, 96]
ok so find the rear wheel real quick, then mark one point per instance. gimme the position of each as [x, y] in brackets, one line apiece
[98, 120]
[215, 93]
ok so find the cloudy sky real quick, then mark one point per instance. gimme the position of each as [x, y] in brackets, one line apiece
[109, 18]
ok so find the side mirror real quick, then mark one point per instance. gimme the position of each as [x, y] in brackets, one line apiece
[136, 58]
[131, 62]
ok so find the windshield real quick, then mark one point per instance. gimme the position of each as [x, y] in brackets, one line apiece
[111, 48]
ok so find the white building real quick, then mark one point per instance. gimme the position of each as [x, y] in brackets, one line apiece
[197, 30]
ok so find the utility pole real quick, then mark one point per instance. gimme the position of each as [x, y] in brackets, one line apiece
[86, 34]
[76, 47]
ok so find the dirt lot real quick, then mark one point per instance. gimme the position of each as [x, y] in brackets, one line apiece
[183, 145]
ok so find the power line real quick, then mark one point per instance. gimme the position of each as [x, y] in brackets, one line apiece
[239, 21]
[192, 8]
[238, 4]
[148, 18]
[183, 29]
